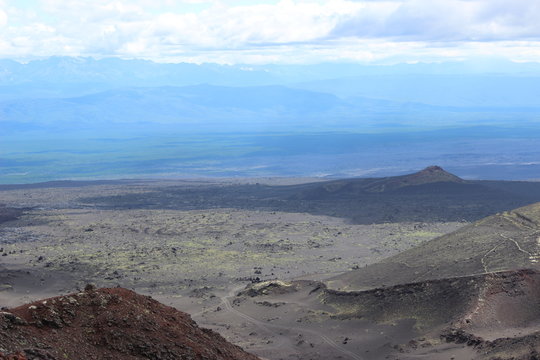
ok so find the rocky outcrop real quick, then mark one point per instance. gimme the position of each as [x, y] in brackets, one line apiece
[108, 324]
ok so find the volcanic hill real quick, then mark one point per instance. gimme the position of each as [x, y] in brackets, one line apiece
[429, 175]
[470, 294]
[478, 286]
[349, 187]
[108, 324]
[430, 195]
[505, 241]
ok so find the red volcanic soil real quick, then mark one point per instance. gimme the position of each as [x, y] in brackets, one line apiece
[108, 324]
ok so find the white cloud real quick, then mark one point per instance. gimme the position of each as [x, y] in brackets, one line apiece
[449, 20]
[3, 18]
[268, 31]
[3, 15]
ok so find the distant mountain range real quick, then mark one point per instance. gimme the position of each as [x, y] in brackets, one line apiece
[226, 108]
[63, 93]
[219, 120]
[503, 84]
[200, 107]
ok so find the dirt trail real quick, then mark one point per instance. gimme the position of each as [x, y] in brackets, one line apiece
[267, 327]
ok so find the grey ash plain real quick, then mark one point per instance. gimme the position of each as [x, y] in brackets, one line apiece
[197, 245]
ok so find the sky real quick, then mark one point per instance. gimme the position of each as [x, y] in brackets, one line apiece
[272, 31]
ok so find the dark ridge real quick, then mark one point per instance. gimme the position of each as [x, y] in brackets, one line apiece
[429, 195]
[349, 198]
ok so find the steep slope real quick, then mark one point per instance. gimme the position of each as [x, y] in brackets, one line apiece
[477, 288]
[488, 316]
[108, 324]
[505, 241]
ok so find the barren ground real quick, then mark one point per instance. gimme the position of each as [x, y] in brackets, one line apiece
[196, 260]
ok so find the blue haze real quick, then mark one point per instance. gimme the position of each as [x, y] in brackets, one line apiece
[80, 118]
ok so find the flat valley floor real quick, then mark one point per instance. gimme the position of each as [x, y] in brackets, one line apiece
[197, 257]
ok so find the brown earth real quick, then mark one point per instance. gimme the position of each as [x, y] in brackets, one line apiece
[112, 323]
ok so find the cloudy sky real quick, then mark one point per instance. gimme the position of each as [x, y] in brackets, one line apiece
[272, 31]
